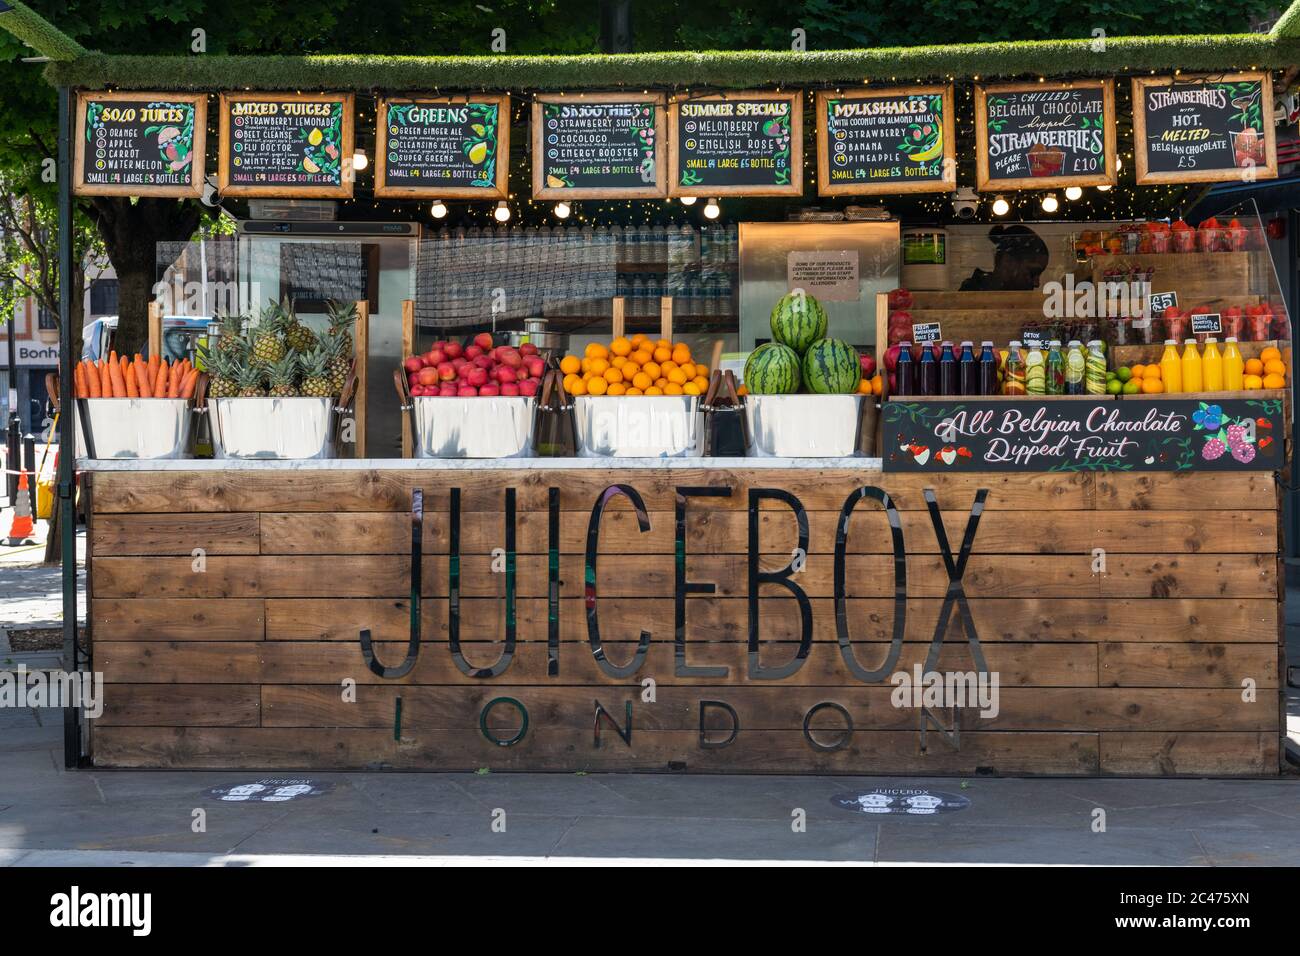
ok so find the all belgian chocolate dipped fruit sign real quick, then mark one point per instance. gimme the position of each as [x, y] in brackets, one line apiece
[456, 147]
[140, 144]
[598, 145]
[1042, 135]
[740, 144]
[285, 144]
[1204, 128]
[885, 141]
[1030, 434]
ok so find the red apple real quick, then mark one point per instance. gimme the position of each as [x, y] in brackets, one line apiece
[535, 365]
[417, 391]
[446, 371]
[447, 390]
[483, 362]
[504, 373]
[528, 387]
[428, 376]
[467, 391]
[453, 350]
[528, 348]
[465, 371]
[489, 390]
[478, 377]
[508, 356]
[484, 341]
[472, 352]
[413, 364]
[510, 389]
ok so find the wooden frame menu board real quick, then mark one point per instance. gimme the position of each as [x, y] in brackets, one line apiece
[1045, 135]
[1183, 128]
[140, 144]
[314, 160]
[709, 144]
[455, 147]
[896, 140]
[597, 145]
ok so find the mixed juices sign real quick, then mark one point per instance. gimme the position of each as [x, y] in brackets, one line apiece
[1073, 435]
[748, 144]
[140, 144]
[1041, 135]
[885, 141]
[284, 144]
[457, 147]
[598, 145]
[1204, 128]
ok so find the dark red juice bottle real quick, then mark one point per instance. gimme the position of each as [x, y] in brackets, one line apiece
[927, 378]
[905, 371]
[988, 370]
[969, 370]
[948, 379]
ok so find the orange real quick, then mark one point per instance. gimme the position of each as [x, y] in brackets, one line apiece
[570, 364]
[700, 382]
[598, 366]
[616, 388]
[664, 344]
[596, 350]
[1137, 370]
[651, 369]
[1253, 382]
[864, 386]
[654, 391]
[638, 339]
[743, 390]
[681, 354]
[688, 369]
[579, 387]
[662, 354]
[640, 356]
[1254, 367]
[1151, 371]
[597, 386]
[586, 365]
[632, 390]
[690, 388]
[660, 382]
[1152, 386]
[701, 369]
[877, 386]
[642, 381]
[1270, 354]
[1274, 381]
[671, 389]
[1274, 367]
[618, 361]
[677, 376]
[613, 376]
[569, 381]
[620, 346]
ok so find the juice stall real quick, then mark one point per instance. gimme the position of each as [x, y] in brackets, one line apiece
[930, 433]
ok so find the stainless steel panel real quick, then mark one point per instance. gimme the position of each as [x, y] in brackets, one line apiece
[805, 426]
[481, 427]
[638, 426]
[135, 427]
[272, 427]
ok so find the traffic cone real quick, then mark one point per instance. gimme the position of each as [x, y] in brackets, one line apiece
[21, 530]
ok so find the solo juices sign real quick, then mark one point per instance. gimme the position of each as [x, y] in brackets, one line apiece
[1072, 435]
[140, 144]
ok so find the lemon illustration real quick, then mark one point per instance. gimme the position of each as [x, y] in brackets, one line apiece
[554, 182]
[478, 153]
[309, 166]
[314, 137]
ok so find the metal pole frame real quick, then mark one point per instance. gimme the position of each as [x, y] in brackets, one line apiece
[67, 447]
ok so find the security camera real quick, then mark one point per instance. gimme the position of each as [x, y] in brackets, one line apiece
[210, 197]
[965, 203]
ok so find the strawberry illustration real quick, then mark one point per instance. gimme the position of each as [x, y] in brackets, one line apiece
[1265, 442]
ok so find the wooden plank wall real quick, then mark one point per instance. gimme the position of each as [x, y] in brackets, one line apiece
[1138, 670]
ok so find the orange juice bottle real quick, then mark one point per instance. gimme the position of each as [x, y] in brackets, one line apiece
[1171, 367]
[1234, 366]
[1212, 366]
[1192, 379]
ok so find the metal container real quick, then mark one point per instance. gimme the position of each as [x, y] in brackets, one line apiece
[638, 426]
[809, 426]
[273, 427]
[134, 427]
[492, 426]
[537, 332]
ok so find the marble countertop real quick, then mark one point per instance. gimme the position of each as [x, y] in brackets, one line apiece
[475, 464]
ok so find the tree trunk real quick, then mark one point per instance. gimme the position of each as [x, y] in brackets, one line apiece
[132, 231]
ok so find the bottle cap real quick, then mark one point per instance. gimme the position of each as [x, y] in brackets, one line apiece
[1171, 341]
[984, 344]
[1189, 341]
[906, 344]
[1074, 342]
[1231, 338]
[1015, 344]
[1210, 339]
[1055, 343]
[966, 343]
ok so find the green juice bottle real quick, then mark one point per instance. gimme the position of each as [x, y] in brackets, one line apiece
[1035, 371]
[1055, 364]
[1094, 372]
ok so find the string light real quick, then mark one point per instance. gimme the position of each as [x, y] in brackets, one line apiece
[1049, 203]
[688, 200]
[502, 212]
[1000, 206]
[438, 210]
[562, 210]
[712, 210]
[1073, 192]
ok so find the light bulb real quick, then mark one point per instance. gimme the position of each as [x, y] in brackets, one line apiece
[1104, 188]
[688, 200]
[712, 210]
[1000, 206]
[1050, 203]
[562, 210]
[1073, 192]
[438, 210]
[502, 212]
[359, 160]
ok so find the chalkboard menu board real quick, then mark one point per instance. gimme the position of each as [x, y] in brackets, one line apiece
[140, 144]
[286, 144]
[456, 147]
[598, 145]
[742, 144]
[1204, 128]
[885, 141]
[1043, 135]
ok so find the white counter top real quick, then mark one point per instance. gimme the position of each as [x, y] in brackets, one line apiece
[476, 464]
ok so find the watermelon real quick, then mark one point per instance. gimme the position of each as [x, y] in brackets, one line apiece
[831, 367]
[798, 320]
[772, 369]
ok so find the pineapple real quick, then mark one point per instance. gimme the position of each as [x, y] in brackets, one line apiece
[251, 381]
[284, 377]
[230, 332]
[342, 319]
[298, 337]
[316, 375]
[222, 367]
[340, 364]
[268, 336]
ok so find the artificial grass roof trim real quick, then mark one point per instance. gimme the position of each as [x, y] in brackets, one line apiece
[39, 34]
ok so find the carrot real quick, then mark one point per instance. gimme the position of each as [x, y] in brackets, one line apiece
[142, 380]
[92, 380]
[115, 376]
[160, 383]
[187, 387]
[174, 383]
[79, 380]
[105, 383]
[132, 389]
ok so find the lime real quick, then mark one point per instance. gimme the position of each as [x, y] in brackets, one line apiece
[1115, 387]
[1124, 374]
[1132, 387]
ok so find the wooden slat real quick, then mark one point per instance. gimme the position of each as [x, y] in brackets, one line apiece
[182, 705]
[1251, 491]
[1191, 665]
[1189, 753]
[155, 619]
[116, 535]
[188, 662]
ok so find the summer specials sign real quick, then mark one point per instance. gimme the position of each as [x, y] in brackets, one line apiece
[598, 145]
[1042, 135]
[885, 141]
[747, 144]
[456, 147]
[284, 144]
[1071, 435]
[1204, 128]
[140, 144]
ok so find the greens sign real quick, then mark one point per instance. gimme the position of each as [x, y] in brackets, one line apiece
[456, 147]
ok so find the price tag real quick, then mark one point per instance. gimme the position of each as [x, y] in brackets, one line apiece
[923, 332]
[1032, 338]
[1207, 324]
[1159, 302]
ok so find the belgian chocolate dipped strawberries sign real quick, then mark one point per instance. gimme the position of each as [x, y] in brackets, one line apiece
[885, 141]
[1032, 434]
[456, 147]
[598, 145]
[1204, 128]
[745, 144]
[140, 144]
[286, 144]
[1042, 135]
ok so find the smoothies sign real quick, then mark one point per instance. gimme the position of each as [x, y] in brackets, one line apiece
[598, 145]
[286, 145]
[140, 144]
[1039, 135]
[457, 147]
[885, 141]
[1204, 128]
[739, 144]
[1073, 435]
